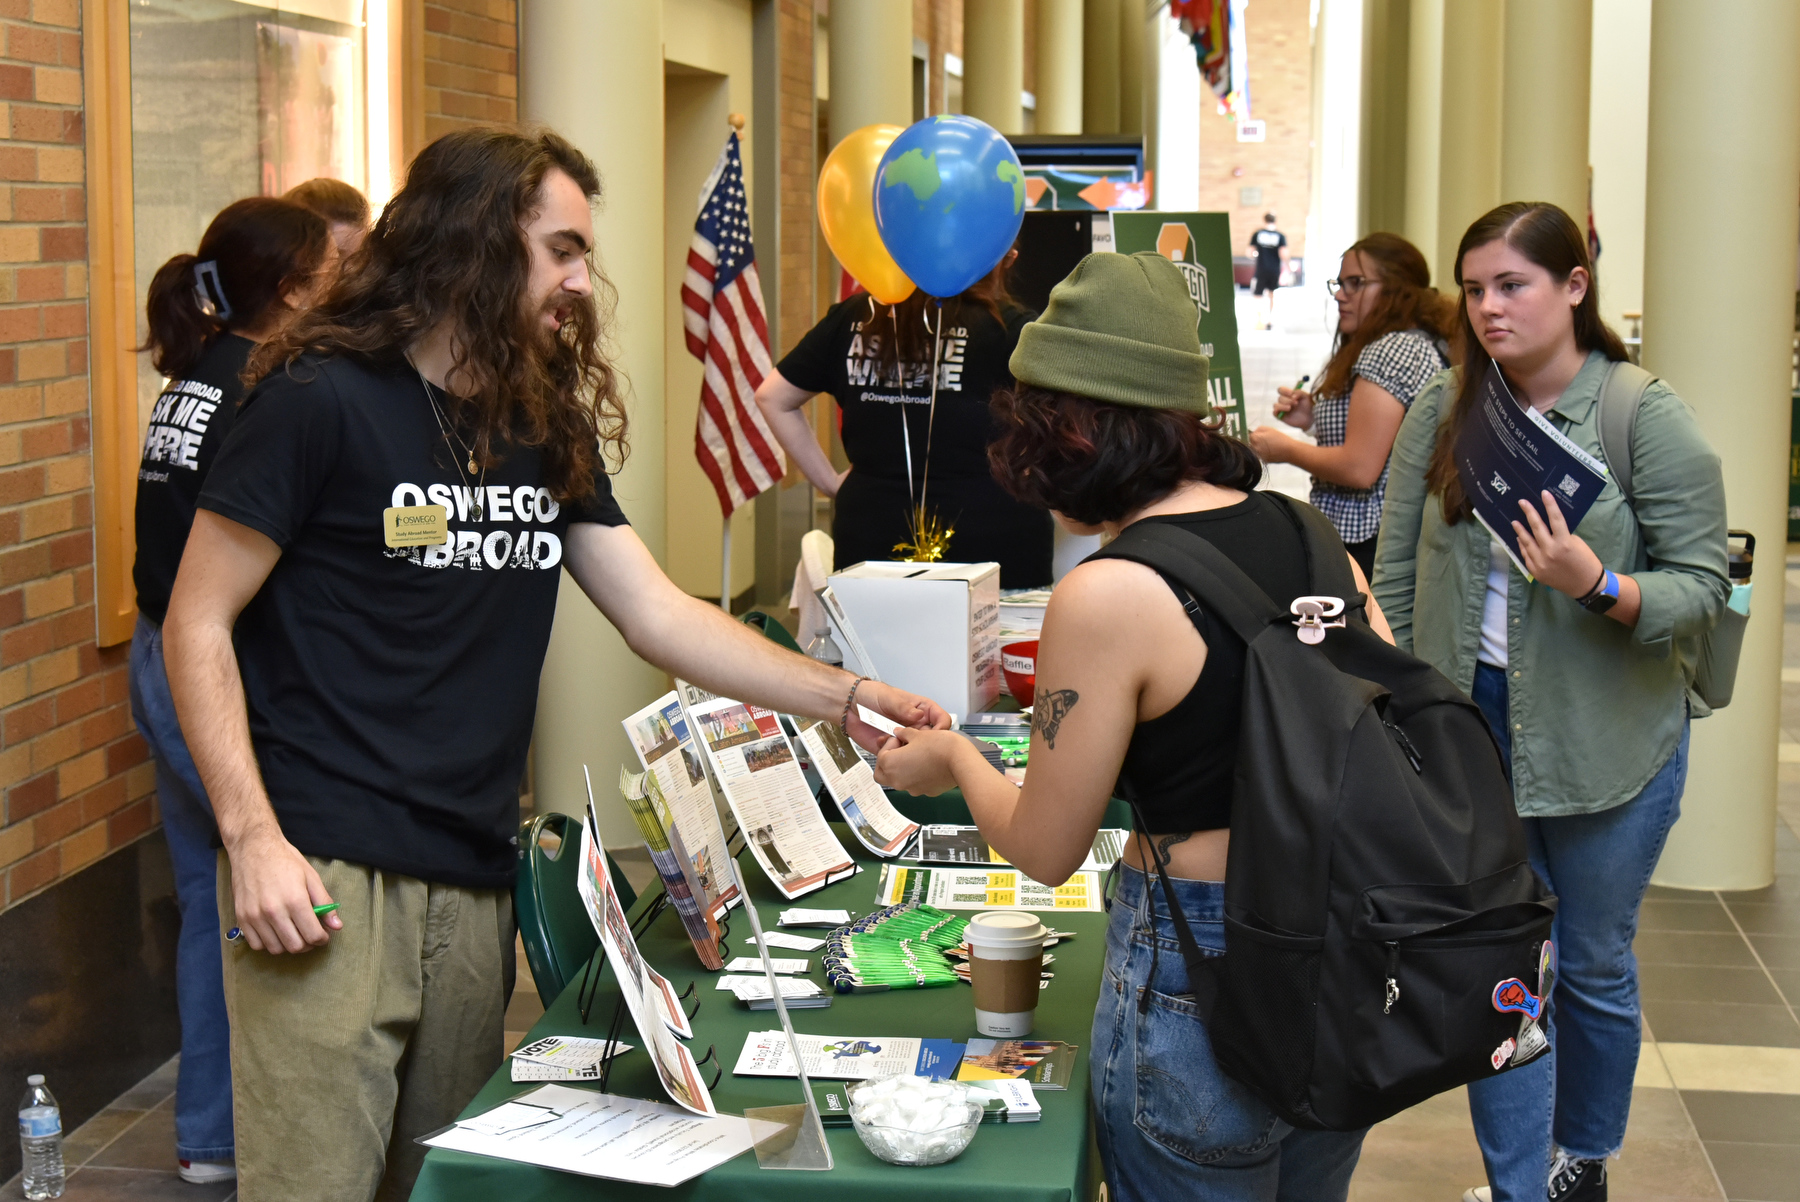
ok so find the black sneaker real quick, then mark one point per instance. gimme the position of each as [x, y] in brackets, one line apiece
[1574, 1180]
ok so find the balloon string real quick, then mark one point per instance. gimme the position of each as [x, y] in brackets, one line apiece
[931, 414]
[905, 426]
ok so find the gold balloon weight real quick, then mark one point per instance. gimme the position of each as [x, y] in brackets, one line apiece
[930, 541]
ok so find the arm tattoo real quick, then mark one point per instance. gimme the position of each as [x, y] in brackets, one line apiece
[1050, 710]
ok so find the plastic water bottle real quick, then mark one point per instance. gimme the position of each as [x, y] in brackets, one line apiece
[825, 649]
[40, 1141]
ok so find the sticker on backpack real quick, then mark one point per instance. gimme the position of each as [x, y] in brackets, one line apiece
[1532, 1040]
[1503, 1053]
[1511, 996]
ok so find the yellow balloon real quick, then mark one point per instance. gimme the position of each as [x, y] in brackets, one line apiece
[847, 213]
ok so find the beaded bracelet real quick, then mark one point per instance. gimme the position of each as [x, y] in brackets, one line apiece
[849, 702]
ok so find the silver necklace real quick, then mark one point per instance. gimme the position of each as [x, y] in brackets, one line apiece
[455, 442]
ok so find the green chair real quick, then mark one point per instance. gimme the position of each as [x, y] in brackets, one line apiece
[771, 629]
[553, 922]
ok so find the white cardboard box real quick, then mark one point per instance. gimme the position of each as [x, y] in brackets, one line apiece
[931, 629]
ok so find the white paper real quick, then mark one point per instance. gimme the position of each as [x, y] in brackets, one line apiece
[605, 1135]
[568, 1051]
[509, 1117]
[533, 1070]
[648, 996]
[755, 964]
[766, 1054]
[665, 746]
[754, 766]
[864, 804]
[965, 845]
[972, 888]
[798, 943]
[755, 988]
[801, 916]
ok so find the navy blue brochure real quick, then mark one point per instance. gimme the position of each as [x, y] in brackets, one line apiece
[1509, 452]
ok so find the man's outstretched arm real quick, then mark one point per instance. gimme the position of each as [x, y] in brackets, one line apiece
[688, 638]
[273, 887]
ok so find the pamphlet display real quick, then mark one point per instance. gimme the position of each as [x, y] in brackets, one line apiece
[847, 1058]
[754, 765]
[599, 1135]
[1508, 453]
[665, 746]
[966, 845]
[986, 889]
[865, 806]
[680, 875]
[648, 996]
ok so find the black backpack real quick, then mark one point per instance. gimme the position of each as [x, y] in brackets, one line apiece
[1386, 938]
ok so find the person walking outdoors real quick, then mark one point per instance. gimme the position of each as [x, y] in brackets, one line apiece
[260, 262]
[1575, 667]
[1392, 338]
[360, 706]
[874, 360]
[1135, 698]
[1269, 245]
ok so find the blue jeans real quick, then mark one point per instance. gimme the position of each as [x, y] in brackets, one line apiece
[1171, 1124]
[1578, 1097]
[203, 1090]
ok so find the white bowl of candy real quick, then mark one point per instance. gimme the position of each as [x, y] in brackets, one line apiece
[914, 1120]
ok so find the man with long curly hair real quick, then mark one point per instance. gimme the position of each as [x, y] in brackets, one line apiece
[356, 635]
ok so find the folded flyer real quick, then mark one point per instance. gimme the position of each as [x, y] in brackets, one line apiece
[753, 763]
[680, 873]
[665, 746]
[1046, 1064]
[986, 889]
[1006, 1101]
[1509, 453]
[939, 844]
[865, 806]
[847, 1058]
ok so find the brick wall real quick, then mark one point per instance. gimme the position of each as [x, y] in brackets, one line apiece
[1279, 43]
[76, 778]
[471, 64]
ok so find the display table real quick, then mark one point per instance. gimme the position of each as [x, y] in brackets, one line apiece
[1044, 1161]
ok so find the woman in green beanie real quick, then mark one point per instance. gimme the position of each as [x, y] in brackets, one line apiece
[1109, 425]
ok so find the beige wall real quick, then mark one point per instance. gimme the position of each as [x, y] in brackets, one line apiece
[1618, 138]
[707, 53]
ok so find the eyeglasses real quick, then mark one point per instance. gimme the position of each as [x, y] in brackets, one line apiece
[1350, 285]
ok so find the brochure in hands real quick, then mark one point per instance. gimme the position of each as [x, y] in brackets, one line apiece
[865, 806]
[1509, 453]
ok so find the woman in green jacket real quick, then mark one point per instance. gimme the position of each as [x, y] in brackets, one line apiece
[1576, 667]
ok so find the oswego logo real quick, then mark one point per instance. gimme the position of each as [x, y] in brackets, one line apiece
[494, 549]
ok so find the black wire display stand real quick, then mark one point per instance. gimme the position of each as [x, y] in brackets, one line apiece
[587, 990]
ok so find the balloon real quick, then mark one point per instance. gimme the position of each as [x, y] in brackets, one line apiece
[847, 213]
[949, 200]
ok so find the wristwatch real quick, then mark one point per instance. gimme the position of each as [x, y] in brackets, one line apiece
[1605, 594]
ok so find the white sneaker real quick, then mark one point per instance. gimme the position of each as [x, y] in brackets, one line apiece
[206, 1172]
[1480, 1193]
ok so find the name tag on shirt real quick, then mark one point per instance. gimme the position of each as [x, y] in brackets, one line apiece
[415, 525]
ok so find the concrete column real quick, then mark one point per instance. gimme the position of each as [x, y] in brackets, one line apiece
[994, 62]
[1725, 349]
[1457, 59]
[1058, 66]
[1544, 146]
[871, 65]
[1172, 124]
[1618, 133]
[1337, 88]
[1382, 147]
[1132, 93]
[580, 64]
[1100, 67]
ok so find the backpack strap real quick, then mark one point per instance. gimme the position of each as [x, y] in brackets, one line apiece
[1327, 562]
[1621, 396]
[1203, 569]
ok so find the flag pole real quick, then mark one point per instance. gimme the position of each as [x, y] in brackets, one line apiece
[725, 573]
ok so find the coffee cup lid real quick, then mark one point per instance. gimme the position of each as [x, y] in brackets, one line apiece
[1005, 928]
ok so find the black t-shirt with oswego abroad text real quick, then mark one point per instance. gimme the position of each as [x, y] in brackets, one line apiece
[187, 427]
[391, 690]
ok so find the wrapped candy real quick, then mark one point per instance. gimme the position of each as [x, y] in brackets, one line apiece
[910, 1120]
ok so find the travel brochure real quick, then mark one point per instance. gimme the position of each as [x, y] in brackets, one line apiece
[850, 781]
[1046, 1064]
[753, 763]
[846, 1058]
[681, 874]
[1508, 453]
[967, 845]
[986, 889]
[660, 735]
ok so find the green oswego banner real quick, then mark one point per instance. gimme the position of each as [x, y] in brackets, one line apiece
[1199, 244]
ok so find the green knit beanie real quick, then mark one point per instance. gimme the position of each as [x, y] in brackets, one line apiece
[1121, 328]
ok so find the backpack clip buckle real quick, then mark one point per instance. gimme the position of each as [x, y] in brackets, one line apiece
[1311, 614]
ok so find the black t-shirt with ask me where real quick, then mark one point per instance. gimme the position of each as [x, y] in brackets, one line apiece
[391, 691]
[187, 427]
[842, 356]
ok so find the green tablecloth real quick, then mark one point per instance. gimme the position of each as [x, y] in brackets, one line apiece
[1047, 1161]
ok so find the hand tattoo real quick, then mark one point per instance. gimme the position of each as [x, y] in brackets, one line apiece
[1050, 710]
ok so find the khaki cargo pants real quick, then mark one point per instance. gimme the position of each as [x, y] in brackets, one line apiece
[342, 1056]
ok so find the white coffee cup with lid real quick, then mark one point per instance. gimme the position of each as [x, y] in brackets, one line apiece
[1005, 967]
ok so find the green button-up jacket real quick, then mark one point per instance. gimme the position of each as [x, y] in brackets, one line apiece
[1596, 708]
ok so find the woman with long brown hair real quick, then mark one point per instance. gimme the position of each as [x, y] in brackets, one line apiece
[874, 359]
[1392, 337]
[1575, 665]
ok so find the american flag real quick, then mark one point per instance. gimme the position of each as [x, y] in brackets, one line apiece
[722, 308]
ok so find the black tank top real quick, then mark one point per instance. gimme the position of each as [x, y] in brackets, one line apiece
[1181, 763]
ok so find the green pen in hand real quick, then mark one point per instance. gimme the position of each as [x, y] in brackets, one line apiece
[236, 933]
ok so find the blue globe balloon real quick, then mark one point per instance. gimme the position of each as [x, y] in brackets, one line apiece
[949, 200]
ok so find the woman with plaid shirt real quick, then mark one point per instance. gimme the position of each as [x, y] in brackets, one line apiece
[1393, 329]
